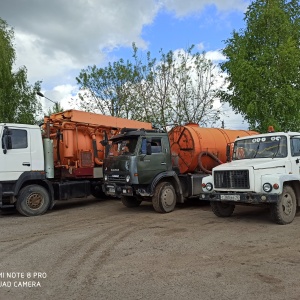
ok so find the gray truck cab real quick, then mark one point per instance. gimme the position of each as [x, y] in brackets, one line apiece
[135, 158]
[137, 162]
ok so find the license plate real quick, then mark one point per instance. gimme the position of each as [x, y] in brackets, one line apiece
[230, 197]
[111, 190]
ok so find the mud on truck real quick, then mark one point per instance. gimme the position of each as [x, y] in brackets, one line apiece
[164, 168]
[264, 171]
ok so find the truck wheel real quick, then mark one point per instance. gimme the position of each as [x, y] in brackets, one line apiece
[221, 209]
[164, 198]
[284, 211]
[97, 192]
[33, 200]
[130, 201]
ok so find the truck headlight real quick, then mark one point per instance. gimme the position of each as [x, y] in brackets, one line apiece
[209, 186]
[127, 178]
[267, 187]
[105, 177]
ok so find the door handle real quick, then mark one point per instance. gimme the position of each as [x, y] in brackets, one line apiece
[26, 164]
[163, 163]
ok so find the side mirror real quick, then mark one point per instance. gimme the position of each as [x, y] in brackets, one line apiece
[228, 152]
[149, 150]
[7, 143]
[104, 142]
[6, 140]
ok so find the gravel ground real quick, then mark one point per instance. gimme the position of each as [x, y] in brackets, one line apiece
[90, 249]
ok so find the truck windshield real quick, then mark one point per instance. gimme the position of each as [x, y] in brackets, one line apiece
[123, 147]
[260, 147]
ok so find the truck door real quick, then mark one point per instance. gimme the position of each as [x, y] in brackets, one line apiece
[295, 152]
[149, 165]
[15, 155]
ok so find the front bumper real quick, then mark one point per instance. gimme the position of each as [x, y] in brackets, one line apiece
[112, 189]
[248, 198]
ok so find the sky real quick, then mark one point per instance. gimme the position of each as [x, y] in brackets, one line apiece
[56, 39]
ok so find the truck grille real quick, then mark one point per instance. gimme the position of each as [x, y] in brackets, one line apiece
[232, 179]
[116, 178]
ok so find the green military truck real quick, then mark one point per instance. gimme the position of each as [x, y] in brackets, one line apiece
[164, 168]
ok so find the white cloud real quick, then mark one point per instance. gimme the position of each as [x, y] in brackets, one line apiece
[56, 39]
[42, 65]
[66, 95]
[184, 8]
[215, 56]
[231, 119]
[200, 46]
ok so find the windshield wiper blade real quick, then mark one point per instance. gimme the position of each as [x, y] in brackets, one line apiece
[256, 150]
[275, 154]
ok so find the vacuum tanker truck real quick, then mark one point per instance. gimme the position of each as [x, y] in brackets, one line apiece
[61, 160]
[165, 168]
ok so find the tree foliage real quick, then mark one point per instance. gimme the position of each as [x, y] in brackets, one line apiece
[177, 88]
[56, 108]
[263, 66]
[106, 89]
[18, 101]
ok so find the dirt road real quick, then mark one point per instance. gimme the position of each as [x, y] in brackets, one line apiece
[91, 249]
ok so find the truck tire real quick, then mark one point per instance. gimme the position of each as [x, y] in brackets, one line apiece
[97, 192]
[221, 209]
[33, 200]
[164, 198]
[284, 211]
[130, 201]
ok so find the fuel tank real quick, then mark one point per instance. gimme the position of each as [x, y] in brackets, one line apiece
[200, 149]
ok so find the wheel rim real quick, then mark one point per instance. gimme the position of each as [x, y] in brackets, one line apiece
[287, 204]
[35, 201]
[167, 197]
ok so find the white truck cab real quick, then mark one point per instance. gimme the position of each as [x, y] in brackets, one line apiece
[265, 170]
[23, 179]
[22, 150]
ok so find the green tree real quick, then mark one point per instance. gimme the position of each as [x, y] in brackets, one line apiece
[18, 102]
[176, 88]
[180, 88]
[106, 89]
[263, 66]
[56, 108]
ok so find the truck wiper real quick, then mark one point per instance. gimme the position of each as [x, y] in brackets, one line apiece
[256, 150]
[275, 154]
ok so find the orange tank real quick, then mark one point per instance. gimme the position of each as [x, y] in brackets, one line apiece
[200, 149]
[76, 137]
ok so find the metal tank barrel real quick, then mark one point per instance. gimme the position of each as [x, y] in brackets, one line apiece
[197, 148]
